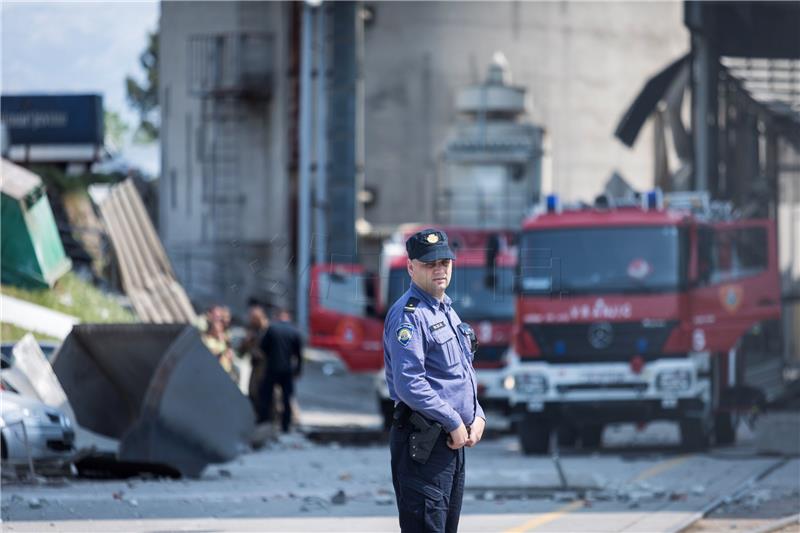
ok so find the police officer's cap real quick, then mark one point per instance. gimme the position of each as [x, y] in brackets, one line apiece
[429, 245]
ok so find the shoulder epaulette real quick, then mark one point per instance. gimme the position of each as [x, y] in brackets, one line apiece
[411, 304]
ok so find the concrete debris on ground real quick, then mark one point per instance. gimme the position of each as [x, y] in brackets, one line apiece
[164, 395]
[36, 503]
[340, 498]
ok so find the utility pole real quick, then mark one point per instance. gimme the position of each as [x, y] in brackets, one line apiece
[345, 178]
[304, 187]
[320, 187]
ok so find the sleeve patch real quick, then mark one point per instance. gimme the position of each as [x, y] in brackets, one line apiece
[404, 333]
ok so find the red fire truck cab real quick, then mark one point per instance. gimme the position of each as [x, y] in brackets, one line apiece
[637, 313]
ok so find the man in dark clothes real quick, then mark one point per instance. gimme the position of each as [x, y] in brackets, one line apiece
[257, 324]
[282, 345]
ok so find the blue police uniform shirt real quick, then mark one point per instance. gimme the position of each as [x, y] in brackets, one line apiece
[428, 360]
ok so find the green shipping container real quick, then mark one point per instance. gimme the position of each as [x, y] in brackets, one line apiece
[32, 253]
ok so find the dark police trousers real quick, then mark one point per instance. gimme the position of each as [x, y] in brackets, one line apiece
[428, 495]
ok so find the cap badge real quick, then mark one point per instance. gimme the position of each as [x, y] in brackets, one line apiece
[432, 238]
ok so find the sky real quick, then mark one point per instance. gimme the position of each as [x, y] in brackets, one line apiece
[78, 47]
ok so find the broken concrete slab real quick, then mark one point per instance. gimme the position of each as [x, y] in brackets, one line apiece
[159, 390]
[32, 375]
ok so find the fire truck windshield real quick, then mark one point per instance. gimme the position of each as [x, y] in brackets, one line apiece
[603, 260]
[474, 297]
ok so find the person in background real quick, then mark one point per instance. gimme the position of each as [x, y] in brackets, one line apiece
[282, 345]
[225, 316]
[257, 324]
[217, 341]
[284, 316]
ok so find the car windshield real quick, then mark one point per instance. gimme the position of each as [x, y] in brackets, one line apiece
[603, 260]
[474, 296]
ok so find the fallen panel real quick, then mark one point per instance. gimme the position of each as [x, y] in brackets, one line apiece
[32, 375]
[159, 390]
[147, 274]
[646, 101]
[32, 317]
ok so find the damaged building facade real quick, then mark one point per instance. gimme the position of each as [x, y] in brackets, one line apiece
[225, 209]
[726, 119]
[229, 75]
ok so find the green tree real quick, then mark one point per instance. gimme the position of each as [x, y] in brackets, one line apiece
[116, 128]
[143, 98]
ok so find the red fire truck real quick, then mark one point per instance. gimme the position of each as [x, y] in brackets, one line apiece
[348, 305]
[636, 313]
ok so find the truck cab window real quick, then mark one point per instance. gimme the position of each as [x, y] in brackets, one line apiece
[343, 293]
[738, 253]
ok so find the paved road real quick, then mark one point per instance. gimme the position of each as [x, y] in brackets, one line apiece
[299, 486]
[639, 482]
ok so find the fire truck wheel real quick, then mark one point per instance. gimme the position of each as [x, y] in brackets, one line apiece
[695, 434]
[725, 428]
[567, 435]
[591, 436]
[534, 435]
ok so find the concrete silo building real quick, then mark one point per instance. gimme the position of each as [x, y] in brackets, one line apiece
[229, 98]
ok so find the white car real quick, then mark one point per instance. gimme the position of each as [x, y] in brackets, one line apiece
[48, 348]
[48, 432]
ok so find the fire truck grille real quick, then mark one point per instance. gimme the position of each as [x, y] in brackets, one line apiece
[601, 340]
[579, 387]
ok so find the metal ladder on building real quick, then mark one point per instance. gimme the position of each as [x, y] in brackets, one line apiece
[230, 73]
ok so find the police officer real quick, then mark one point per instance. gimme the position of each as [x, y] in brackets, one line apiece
[428, 355]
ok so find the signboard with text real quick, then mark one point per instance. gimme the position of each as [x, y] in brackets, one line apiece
[53, 119]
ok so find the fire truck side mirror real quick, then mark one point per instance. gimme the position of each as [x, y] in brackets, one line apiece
[704, 256]
[372, 310]
[370, 292]
[492, 249]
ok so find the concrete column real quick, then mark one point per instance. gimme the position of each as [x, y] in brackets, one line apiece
[320, 186]
[304, 186]
[704, 114]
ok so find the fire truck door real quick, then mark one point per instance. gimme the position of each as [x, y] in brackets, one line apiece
[342, 316]
[739, 283]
